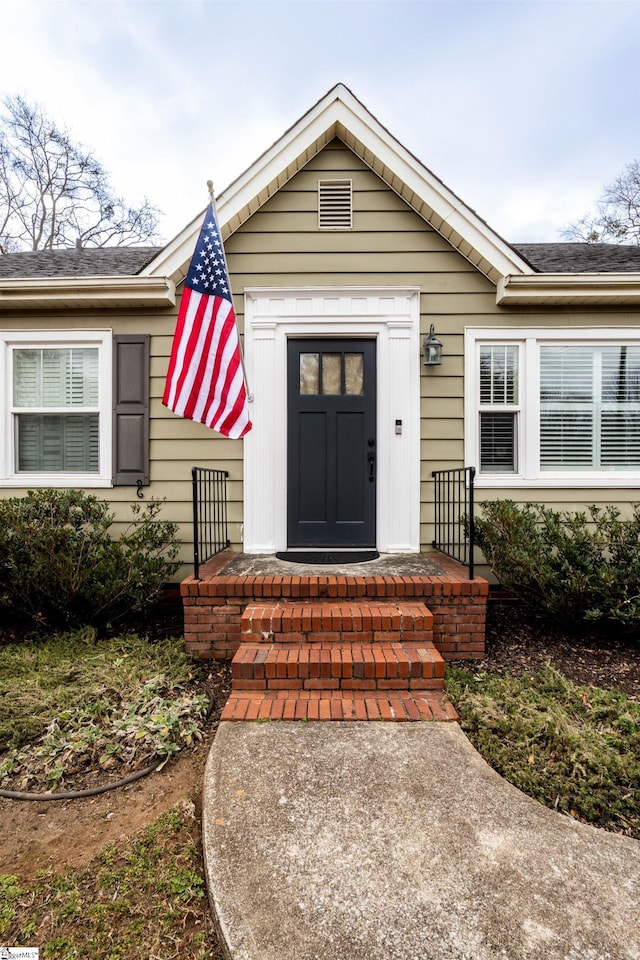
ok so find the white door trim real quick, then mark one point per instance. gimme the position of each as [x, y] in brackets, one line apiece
[391, 315]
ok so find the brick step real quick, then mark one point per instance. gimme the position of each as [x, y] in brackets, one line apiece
[337, 666]
[347, 620]
[326, 705]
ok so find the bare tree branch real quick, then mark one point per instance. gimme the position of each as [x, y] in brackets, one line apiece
[617, 215]
[54, 192]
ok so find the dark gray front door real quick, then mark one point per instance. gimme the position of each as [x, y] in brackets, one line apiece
[331, 470]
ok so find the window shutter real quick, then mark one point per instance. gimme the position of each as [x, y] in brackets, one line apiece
[130, 409]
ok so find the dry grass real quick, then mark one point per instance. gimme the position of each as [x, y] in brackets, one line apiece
[574, 748]
[145, 898]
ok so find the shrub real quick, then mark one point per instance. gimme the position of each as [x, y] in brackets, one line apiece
[573, 567]
[60, 567]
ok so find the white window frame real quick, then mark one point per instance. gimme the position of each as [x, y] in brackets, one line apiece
[529, 341]
[38, 339]
[510, 408]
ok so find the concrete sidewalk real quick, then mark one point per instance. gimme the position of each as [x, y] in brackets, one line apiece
[382, 841]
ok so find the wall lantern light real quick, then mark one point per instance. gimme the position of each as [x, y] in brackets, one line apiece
[431, 349]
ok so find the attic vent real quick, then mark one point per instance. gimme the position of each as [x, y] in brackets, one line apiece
[334, 205]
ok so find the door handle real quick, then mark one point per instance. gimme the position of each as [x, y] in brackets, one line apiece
[371, 457]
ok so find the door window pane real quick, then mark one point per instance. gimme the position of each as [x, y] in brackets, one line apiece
[309, 374]
[354, 374]
[332, 373]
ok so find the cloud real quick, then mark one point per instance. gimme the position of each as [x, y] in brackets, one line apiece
[523, 108]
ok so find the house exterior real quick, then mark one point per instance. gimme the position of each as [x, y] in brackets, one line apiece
[343, 250]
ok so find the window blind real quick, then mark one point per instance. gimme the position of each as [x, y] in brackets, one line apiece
[497, 442]
[54, 443]
[499, 388]
[589, 407]
[499, 374]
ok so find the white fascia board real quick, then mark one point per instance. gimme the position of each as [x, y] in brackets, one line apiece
[339, 108]
[570, 288]
[33, 292]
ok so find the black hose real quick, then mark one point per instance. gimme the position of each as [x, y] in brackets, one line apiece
[94, 791]
[75, 794]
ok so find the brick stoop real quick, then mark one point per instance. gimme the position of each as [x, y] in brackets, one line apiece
[214, 604]
[337, 661]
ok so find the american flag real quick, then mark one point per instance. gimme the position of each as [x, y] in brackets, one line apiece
[205, 379]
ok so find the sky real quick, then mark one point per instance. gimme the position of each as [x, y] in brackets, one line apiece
[526, 109]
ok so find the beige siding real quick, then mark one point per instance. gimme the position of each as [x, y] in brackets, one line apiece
[281, 246]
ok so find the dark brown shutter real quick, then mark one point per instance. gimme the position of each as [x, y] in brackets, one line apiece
[130, 409]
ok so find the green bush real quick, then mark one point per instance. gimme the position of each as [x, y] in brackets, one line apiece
[576, 568]
[60, 567]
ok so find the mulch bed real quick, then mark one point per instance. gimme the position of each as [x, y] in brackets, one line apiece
[517, 643]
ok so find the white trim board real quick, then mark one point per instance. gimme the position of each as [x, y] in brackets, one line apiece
[14, 339]
[392, 317]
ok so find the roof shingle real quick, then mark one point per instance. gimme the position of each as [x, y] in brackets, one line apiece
[87, 262]
[128, 261]
[581, 257]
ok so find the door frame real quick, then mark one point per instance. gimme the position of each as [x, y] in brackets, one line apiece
[391, 316]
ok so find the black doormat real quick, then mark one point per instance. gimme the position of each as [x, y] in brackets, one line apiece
[327, 556]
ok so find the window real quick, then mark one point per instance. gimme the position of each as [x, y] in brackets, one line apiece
[498, 408]
[56, 413]
[554, 406]
[56, 408]
[332, 373]
[590, 407]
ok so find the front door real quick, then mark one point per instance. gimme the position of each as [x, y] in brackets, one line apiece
[331, 448]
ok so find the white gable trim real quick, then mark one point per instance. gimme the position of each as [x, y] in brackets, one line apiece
[341, 114]
[392, 317]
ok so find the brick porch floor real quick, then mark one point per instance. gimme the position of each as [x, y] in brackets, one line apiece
[358, 642]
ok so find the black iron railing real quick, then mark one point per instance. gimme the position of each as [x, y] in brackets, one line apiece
[210, 533]
[454, 530]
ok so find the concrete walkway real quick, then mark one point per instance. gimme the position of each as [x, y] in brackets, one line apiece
[382, 841]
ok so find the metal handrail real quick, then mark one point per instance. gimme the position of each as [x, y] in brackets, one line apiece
[454, 518]
[210, 530]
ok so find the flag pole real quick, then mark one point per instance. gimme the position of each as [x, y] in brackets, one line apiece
[235, 315]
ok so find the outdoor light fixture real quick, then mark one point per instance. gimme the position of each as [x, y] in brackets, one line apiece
[431, 349]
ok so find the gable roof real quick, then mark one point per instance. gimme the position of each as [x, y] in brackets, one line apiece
[340, 114]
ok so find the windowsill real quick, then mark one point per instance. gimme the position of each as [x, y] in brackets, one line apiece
[560, 482]
[67, 480]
